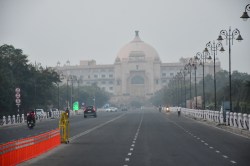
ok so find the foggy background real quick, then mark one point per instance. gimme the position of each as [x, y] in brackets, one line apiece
[49, 31]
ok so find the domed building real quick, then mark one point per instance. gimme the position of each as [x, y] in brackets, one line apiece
[137, 72]
[137, 69]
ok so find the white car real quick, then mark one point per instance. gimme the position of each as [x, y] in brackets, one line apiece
[40, 113]
[111, 109]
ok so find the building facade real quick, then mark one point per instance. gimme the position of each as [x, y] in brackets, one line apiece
[137, 72]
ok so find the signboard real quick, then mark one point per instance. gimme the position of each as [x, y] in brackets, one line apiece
[75, 106]
[18, 100]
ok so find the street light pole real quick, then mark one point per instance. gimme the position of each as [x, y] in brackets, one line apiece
[245, 16]
[229, 36]
[184, 76]
[214, 48]
[194, 65]
[188, 68]
[203, 57]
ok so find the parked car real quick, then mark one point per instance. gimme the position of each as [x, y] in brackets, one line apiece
[90, 111]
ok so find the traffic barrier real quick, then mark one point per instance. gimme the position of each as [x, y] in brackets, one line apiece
[232, 119]
[18, 151]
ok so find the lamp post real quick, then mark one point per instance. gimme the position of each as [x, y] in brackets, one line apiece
[214, 47]
[183, 72]
[188, 68]
[245, 16]
[61, 77]
[229, 36]
[194, 65]
[179, 79]
[203, 57]
[69, 78]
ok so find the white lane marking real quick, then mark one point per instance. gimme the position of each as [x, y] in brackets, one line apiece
[94, 128]
[211, 147]
[217, 151]
[133, 142]
[126, 159]
[133, 145]
[206, 144]
[225, 156]
[234, 162]
[202, 141]
[198, 138]
[129, 154]
[131, 149]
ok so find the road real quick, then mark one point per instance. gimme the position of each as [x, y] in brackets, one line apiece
[146, 138]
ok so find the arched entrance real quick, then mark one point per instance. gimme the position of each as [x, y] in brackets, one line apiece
[137, 86]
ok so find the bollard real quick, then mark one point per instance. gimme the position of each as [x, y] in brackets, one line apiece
[13, 119]
[227, 118]
[23, 118]
[4, 120]
[240, 124]
[221, 117]
[235, 119]
[9, 120]
[231, 119]
[18, 118]
[245, 120]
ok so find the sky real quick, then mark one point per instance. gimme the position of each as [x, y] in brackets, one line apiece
[49, 31]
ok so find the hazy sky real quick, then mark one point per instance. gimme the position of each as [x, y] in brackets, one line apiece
[49, 31]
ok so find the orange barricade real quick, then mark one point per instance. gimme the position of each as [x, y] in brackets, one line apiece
[15, 152]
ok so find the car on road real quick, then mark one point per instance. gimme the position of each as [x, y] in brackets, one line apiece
[40, 113]
[90, 111]
[111, 109]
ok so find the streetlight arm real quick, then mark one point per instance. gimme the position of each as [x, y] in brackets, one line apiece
[247, 8]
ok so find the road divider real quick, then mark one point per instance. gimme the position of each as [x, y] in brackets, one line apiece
[18, 151]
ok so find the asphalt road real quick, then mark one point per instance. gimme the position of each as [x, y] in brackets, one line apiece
[146, 138]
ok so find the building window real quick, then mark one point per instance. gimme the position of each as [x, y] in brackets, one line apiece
[110, 82]
[171, 74]
[103, 82]
[164, 74]
[118, 82]
[156, 81]
[137, 80]
[137, 67]
[95, 76]
[110, 88]
[88, 76]
[103, 75]
[110, 75]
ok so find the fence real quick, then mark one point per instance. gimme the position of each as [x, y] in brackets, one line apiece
[15, 152]
[21, 119]
[233, 119]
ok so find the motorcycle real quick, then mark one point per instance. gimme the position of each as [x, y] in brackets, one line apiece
[31, 124]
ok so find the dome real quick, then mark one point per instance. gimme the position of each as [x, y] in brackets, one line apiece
[137, 49]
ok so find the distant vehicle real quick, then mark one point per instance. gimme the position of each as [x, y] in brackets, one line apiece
[124, 109]
[90, 111]
[31, 119]
[111, 109]
[40, 113]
